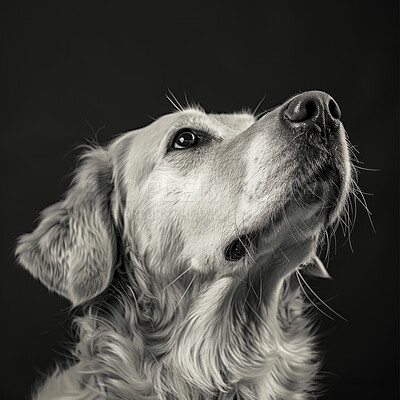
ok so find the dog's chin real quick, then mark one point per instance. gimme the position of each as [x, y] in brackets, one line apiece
[292, 239]
[291, 235]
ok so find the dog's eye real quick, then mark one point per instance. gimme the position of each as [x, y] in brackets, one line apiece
[235, 251]
[185, 139]
[240, 247]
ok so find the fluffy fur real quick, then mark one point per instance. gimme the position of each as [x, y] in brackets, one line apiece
[138, 247]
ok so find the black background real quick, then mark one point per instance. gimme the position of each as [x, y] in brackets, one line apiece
[71, 69]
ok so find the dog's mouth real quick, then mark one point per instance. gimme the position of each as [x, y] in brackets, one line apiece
[321, 190]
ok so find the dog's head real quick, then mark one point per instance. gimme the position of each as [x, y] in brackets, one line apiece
[214, 193]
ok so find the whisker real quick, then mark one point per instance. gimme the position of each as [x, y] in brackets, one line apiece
[174, 101]
[367, 169]
[257, 315]
[258, 105]
[183, 273]
[363, 202]
[184, 293]
[284, 254]
[308, 297]
[322, 302]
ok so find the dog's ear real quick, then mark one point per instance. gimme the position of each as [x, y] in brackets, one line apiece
[73, 249]
[316, 269]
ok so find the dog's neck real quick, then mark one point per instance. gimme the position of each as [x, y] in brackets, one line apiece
[240, 337]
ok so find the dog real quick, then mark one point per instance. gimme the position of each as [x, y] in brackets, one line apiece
[182, 246]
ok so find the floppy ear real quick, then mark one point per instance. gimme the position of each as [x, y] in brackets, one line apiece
[73, 249]
[316, 269]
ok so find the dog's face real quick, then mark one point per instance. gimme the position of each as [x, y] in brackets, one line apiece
[214, 193]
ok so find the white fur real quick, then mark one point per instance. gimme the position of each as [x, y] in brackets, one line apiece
[138, 244]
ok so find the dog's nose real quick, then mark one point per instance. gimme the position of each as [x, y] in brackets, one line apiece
[313, 107]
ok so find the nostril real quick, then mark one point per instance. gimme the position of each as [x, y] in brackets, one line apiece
[311, 109]
[334, 109]
[301, 109]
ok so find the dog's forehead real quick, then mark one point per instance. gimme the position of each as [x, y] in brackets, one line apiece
[217, 124]
[237, 122]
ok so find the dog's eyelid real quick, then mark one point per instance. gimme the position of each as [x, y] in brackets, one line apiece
[201, 135]
[197, 131]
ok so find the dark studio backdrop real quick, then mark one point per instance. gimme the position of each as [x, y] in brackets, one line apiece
[71, 69]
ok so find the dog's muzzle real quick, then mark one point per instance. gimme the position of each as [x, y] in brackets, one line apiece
[309, 126]
[314, 119]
